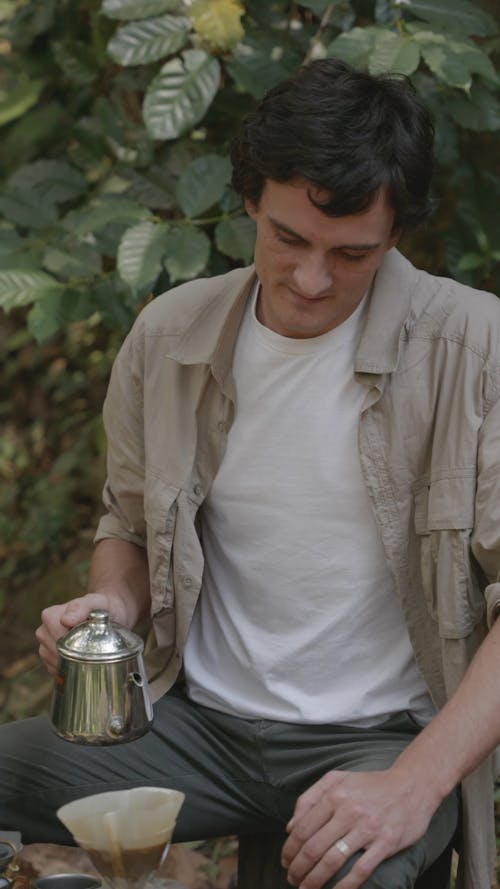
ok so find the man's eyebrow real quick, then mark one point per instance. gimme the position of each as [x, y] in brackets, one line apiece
[285, 228]
[362, 248]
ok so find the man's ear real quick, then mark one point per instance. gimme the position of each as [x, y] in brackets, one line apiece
[394, 238]
[251, 209]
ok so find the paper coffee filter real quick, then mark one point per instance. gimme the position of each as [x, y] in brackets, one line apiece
[132, 819]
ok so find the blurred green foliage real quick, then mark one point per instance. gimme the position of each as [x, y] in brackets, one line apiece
[51, 447]
[116, 119]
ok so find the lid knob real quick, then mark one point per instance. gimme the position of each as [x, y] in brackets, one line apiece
[99, 616]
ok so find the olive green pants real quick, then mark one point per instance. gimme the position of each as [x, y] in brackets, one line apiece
[239, 775]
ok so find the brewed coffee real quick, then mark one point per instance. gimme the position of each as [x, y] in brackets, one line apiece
[130, 864]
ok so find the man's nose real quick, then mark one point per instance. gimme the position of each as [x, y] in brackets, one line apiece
[312, 276]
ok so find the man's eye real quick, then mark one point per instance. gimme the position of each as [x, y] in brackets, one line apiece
[286, 240]
[354, 257]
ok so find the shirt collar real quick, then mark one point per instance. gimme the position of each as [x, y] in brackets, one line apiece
[387, 311]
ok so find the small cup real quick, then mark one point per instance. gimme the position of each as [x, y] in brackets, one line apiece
[66, 881]
[7, 853]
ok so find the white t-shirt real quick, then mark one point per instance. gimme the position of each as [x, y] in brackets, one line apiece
[297, 618]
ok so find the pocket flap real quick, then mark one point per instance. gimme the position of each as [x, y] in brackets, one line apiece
[445, 502]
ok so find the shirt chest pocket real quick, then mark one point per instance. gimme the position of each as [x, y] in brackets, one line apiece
[160, 510]
[450, 580]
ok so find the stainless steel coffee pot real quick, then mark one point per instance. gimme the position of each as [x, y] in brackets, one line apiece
[101, 693]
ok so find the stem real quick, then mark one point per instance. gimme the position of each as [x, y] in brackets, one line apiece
[317, 37]
[212, 219]
[97, 37]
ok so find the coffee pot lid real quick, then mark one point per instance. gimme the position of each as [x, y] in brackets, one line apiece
[99, 639]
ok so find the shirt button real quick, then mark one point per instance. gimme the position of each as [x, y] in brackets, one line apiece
[197, 490]
[221, 426]
[187, 581]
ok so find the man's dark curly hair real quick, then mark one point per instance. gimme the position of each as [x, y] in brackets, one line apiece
[346, 131]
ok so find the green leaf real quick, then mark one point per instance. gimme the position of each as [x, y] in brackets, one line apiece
[452, 61]
[103, 211]
[479, 110]
[139, 259]
[50, 181]
[470, 261]
[137, 9]
[25, 209]
[76, 60]
[46, 317]
[454, 16]
[356, 46]
[476, 206]
[187, 253]
[151, 187]
[82, 262]
[236, 238]
[482, 240]
[260, 63]
[20, 288]
[394, 53]
[446, 130]
[180, 94]
[230, 201]
[317, 6]
[53, 311]
[383, 12]
[32, 20]
[24, 138]
[203, 183]
[10, 241]
[114, 301]
[20, 98]
[20, 261]
[147, 41]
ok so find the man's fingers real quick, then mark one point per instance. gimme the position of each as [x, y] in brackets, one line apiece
[313, 828]
[332, 861]
[315, 818]
[321, 857]
[361, 869]
[312, 796]
[320, 839]
[49, 659]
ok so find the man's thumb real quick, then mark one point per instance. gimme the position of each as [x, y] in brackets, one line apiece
[75, 612]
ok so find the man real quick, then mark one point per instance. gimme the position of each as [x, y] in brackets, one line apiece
[303, 489]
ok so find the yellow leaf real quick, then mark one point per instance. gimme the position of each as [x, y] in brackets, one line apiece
[218, 22]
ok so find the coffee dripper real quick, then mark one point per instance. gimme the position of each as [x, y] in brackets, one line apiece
[126, 833]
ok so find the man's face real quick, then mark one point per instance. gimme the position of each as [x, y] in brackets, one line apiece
[314, 269]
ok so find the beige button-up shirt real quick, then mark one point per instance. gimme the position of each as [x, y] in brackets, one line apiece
[429, 445]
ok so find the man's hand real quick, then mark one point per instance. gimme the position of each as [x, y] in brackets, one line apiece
[118, 582]
[58, 619]
[378, 812]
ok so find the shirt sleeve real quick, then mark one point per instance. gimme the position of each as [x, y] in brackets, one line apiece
[123, 416]
[486, 535]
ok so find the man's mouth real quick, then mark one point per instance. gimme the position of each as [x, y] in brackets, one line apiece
[307, 298]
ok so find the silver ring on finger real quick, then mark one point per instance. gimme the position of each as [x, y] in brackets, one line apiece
[343, 848]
